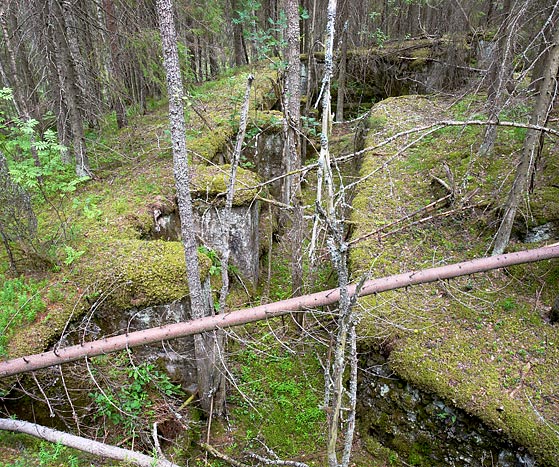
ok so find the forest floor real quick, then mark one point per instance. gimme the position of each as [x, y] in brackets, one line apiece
[437, 336]
[483, 342]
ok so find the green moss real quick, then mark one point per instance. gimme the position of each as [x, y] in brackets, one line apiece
[275, 404]
[207, 146]
[210, 182]
[545, 204]
[420, 57]
[474, 341]
[141, 273]
[382, 455]
[421, 53]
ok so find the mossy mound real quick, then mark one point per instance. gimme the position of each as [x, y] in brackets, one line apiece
[137, 273]
[111, 217]
[210, 183]
[482, 343]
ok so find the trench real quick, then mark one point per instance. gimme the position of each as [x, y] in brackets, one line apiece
[423, 428]
[392, 414]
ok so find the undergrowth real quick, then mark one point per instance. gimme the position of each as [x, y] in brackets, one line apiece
[277, 400]
[20, 303]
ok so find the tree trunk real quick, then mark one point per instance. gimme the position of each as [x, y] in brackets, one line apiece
[342, 77]
[113, 65]
[12, 78]
[83, 444]
[208, 374]
[55, 91]
[292, 159]
[241, 57]
[68, 80]
[532, 145]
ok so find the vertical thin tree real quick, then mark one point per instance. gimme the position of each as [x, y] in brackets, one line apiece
[344, 353]
[532, 144]
[208, 374]
[113, 64]
[292, 126]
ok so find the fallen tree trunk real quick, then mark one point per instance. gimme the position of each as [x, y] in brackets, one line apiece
[83, 444]
[271, 310]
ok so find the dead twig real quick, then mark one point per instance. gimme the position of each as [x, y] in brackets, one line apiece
[267, 461]
[220, 455]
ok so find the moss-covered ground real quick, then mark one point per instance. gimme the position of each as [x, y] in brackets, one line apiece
[480, 342]
[103, 246]
[483, 342]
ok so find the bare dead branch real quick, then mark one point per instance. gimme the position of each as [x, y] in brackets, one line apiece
[220, 455]
[267, 461]
[267, 311]
[83, 444]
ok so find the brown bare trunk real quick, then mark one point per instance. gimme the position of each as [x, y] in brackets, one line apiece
[113, 65]
[68, 80]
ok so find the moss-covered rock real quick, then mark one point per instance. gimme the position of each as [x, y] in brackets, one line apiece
[479, 343]
[138, 273]
[210, 183]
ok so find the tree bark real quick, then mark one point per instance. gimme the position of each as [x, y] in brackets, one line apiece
[292, 126]
[532, 146]
[241, 57]
[83, 444]
[342, 77]
[272, 310]
[113, 65]
[68, 80]
[81, 78]
[19, 97]
[204, 345]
